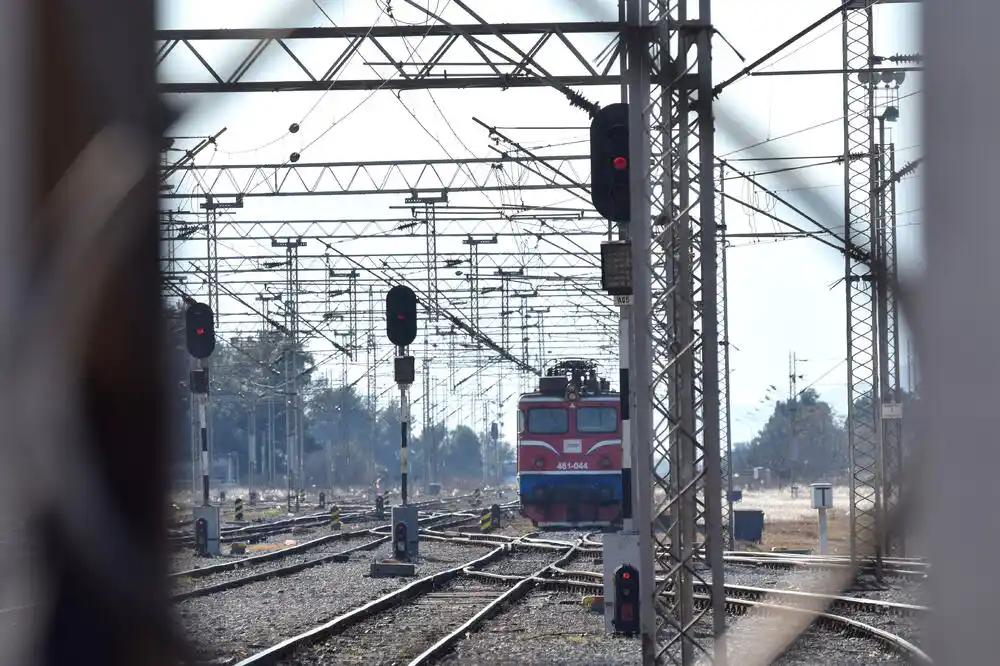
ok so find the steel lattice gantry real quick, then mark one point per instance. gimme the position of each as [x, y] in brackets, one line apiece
[872, 314]
[676, 357]
[402, 177]
[862, 379]
[676, 314]
[384, 49]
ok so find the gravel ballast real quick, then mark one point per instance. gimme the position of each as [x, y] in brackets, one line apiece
[400, 634]
[234, 624]
[183, 584]
[549, 628]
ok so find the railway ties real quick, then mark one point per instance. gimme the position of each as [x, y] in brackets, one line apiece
[514, 597]
[422, 621]
[291, 560]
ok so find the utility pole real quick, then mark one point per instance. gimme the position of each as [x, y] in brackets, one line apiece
[432, 306]
[352, 342]
[294, 463]
[793, 414]
[427, 434]
[725, 405]
[251, 441]
[890, 398]
[211, 207]
[474, 293]
[266, 330]
[371, 350]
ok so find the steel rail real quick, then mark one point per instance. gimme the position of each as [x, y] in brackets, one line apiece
[825, 620]
[519, 591]
[276, 653]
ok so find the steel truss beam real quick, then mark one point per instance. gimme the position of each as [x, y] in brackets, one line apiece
[683, 324]
[455, 56]
[502, 173]
[507, 261]
[863, 429]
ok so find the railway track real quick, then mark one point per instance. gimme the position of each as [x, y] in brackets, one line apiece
[895, 568]
[372, 538]
[455, 602]
[468, 594]
[310, 520]
[464, 598]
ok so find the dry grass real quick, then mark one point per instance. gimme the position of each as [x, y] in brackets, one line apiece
[793, 523]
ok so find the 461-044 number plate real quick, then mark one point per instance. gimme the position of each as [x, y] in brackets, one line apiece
[572, 465]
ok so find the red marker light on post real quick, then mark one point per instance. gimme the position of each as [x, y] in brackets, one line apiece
[199, 331]
[620, 163]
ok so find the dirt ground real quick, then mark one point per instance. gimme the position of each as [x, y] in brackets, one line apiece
[791, 522]
[803, 533]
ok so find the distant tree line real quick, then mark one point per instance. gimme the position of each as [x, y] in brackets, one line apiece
[804, 440]
[345, 443]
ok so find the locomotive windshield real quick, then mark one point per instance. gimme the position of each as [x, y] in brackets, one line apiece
[596, 420]
[548, 421]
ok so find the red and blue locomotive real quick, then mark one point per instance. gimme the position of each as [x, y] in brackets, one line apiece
[569, 449]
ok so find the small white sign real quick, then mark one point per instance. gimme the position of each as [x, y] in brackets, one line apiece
[623, 300]
[572, 445]
[892, 410]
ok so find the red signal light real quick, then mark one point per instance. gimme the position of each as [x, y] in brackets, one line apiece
[401, 317]
[199, 331]
[620, 163]
[626, 575]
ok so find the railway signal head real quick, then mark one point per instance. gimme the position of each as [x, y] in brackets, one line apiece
[199, 325]
[401, 315]
[609, 163]
[400, 550]
[626, 619]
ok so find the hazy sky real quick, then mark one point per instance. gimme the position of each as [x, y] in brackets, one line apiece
[784, 296]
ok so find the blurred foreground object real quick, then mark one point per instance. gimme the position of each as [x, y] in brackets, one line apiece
[958, 326]
[83, 481]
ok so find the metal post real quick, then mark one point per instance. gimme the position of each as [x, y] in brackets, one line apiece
[823, 549]
[270, 440]
[404, 430]
[641, 376]
[195, 429]
[252, 448]
[711, 446]
[725, 420]
[203, 430]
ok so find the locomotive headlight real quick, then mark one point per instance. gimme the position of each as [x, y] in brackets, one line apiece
[605, 462]
[539, 463]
